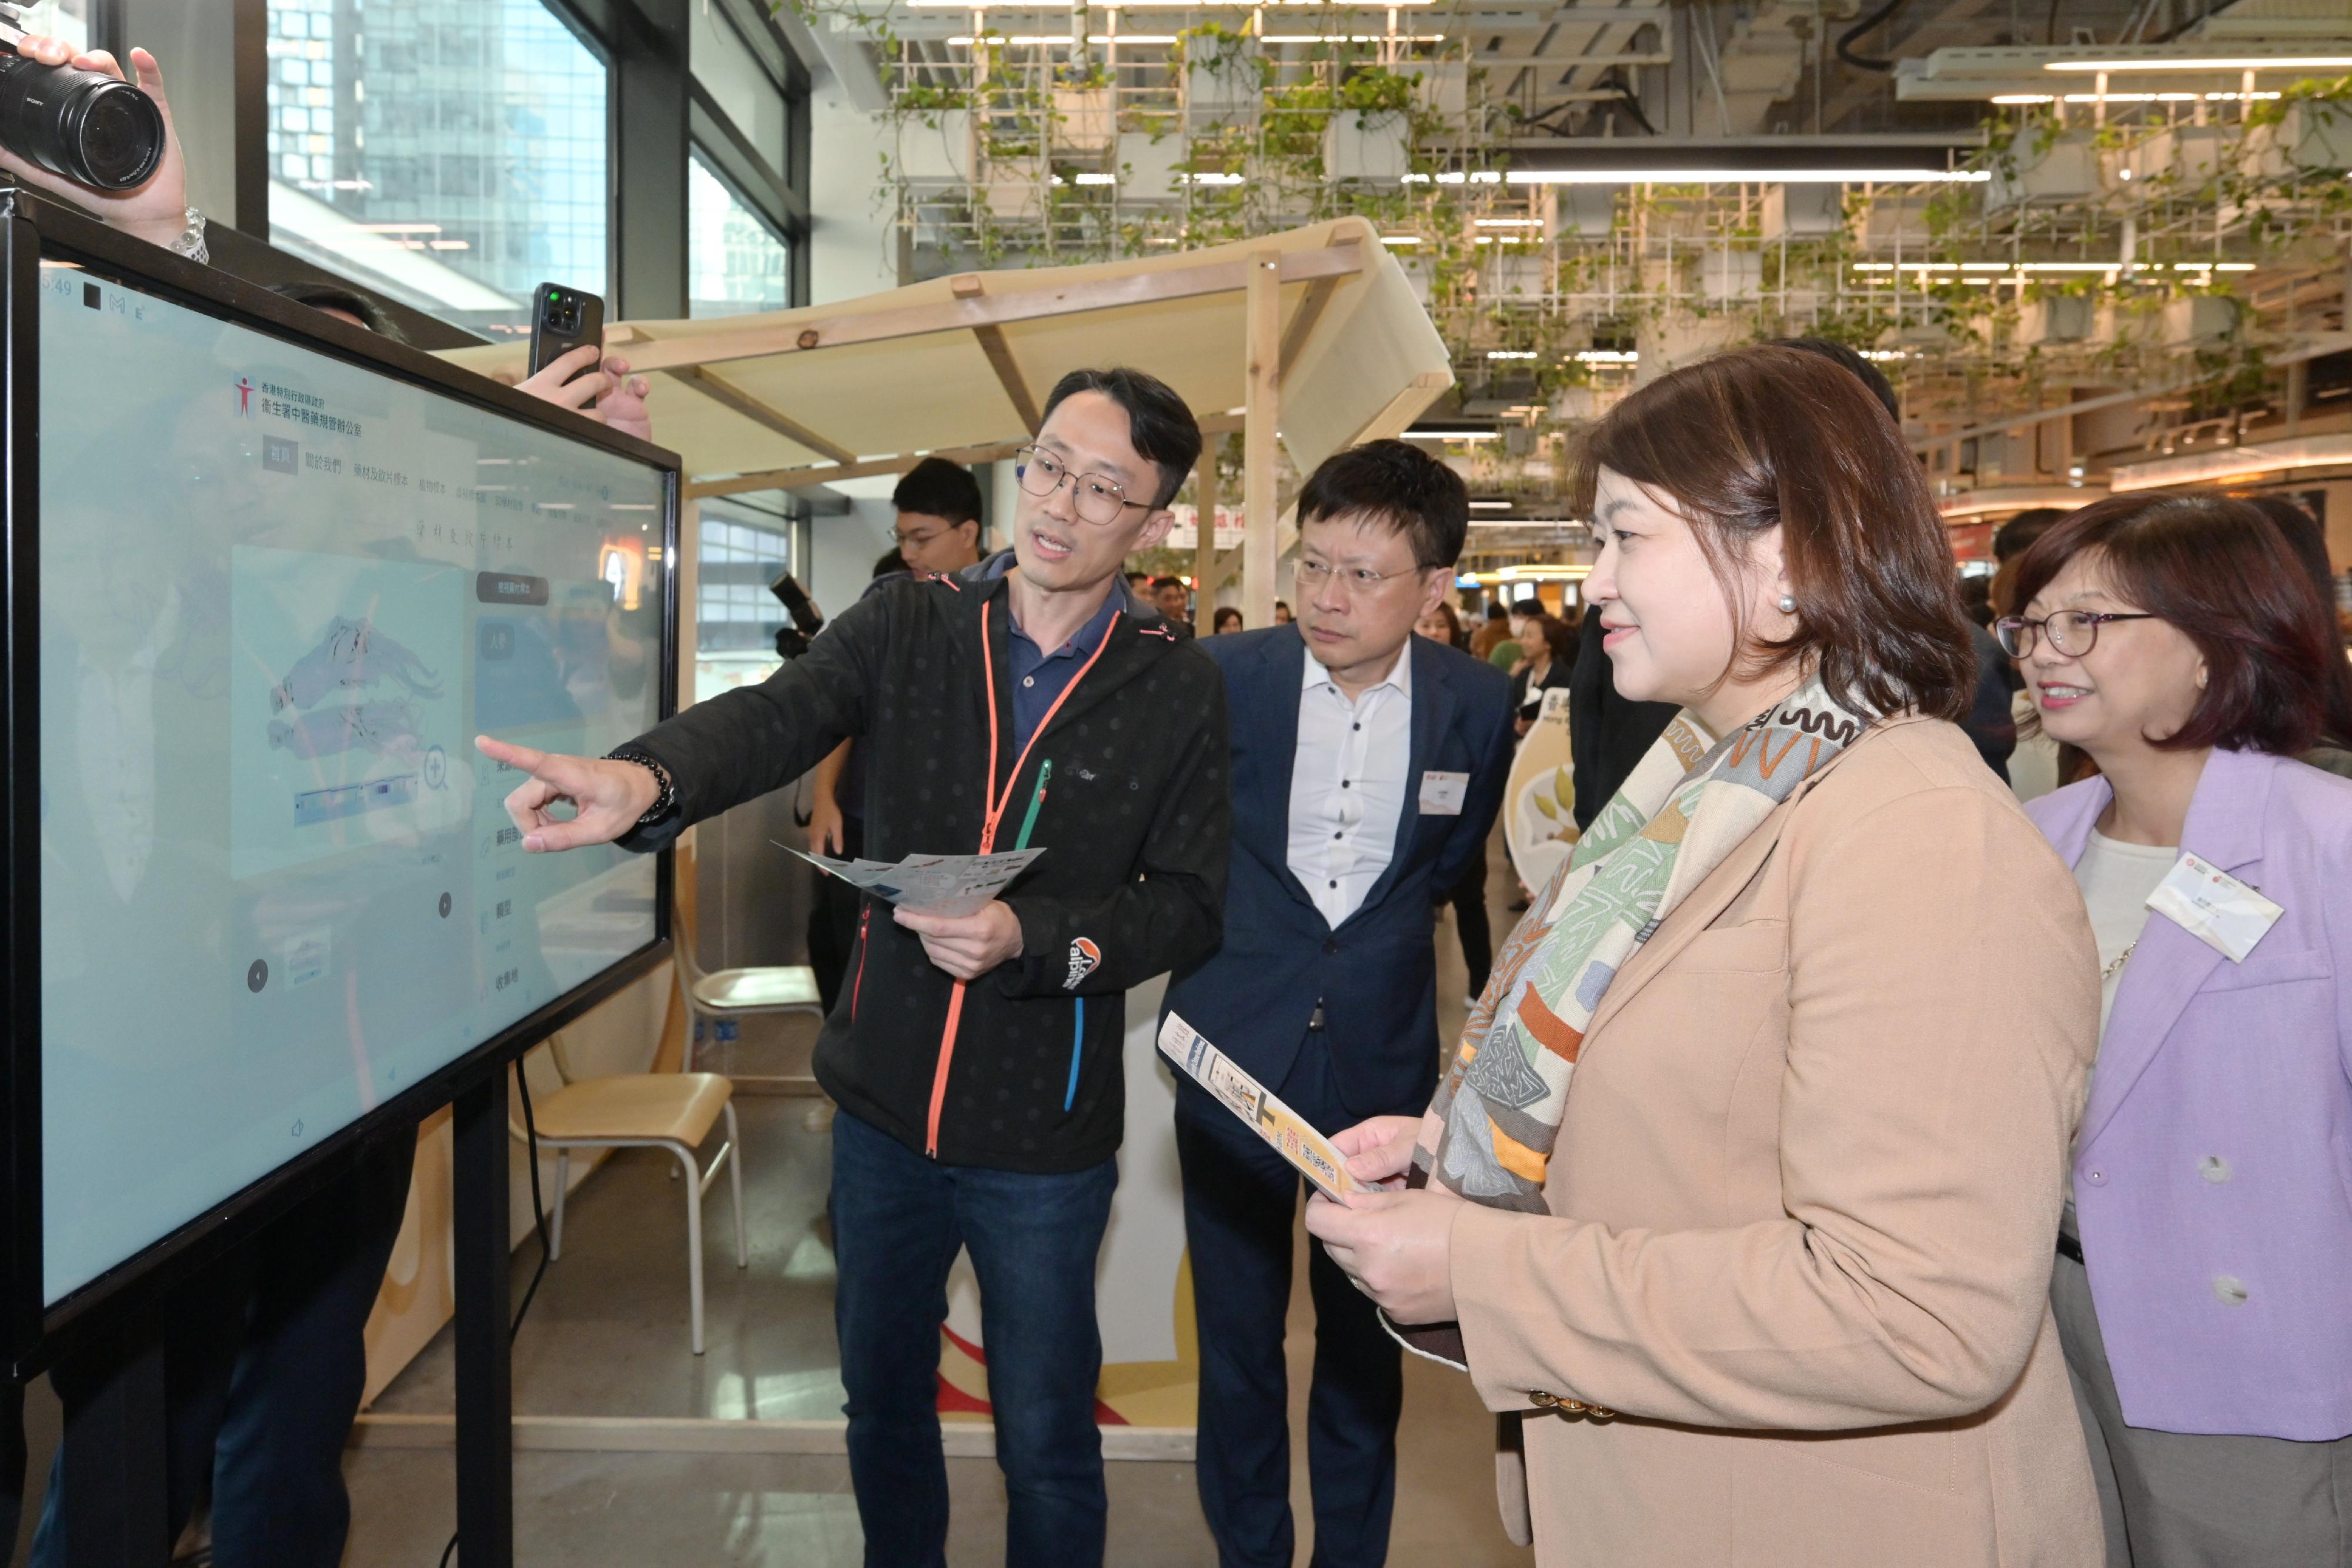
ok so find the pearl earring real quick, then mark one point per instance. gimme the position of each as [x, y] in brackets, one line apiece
[1788, 604]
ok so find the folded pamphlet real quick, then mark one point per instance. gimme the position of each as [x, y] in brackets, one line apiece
[936, 885]
[1278, 1123]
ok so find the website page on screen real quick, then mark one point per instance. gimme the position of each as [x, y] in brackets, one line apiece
[280, 595]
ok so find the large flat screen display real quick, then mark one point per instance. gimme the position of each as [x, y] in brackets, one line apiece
[280, 591]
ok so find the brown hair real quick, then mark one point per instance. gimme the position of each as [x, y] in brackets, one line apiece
[2217, 569]
[1762, 437]
[1453, 637]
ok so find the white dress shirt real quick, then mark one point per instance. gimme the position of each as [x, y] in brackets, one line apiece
[1348, 784]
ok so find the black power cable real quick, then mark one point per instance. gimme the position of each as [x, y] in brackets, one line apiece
[1845, 39]
[539, 1219]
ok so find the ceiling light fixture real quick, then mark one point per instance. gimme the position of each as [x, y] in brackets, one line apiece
[1742, 176]
[2210, 63]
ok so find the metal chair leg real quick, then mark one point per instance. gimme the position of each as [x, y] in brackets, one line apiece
[735, 1178]
[693, 1235]
[562, 1186]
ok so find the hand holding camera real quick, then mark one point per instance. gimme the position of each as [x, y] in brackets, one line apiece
[71, 124]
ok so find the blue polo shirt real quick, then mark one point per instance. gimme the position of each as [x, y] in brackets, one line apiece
[1039, 677]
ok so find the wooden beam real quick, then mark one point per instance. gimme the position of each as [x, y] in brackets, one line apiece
[1260, 424]
[1204, 557]
[827, 473]
[719, 389]
[1310, 310]
[967, 312]
[1008, 374]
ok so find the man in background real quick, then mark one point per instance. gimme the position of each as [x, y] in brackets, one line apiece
[1174, 600]
[1494, 628]
[1367, 765]
[938, 528]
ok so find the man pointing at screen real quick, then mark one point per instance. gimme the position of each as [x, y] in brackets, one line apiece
[976, 1060]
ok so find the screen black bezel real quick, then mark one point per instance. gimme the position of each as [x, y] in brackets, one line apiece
[32, 227]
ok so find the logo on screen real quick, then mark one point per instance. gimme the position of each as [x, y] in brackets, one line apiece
[244, 398]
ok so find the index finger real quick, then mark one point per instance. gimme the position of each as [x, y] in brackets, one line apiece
[547, 767]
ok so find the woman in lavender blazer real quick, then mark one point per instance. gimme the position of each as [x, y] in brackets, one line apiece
[2204, 1291]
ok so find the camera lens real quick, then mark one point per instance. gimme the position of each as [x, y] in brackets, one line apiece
[83, 125]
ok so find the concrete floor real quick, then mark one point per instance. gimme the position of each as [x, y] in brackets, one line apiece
[607, 1336]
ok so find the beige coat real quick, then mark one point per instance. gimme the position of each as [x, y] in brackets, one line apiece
[1804, 1201]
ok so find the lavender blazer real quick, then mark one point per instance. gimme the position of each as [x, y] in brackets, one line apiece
[2213, 1167]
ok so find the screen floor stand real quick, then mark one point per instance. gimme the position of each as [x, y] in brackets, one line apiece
[114, 1507]
[485, 1372]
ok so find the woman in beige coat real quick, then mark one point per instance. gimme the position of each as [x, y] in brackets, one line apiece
[1768, 1283]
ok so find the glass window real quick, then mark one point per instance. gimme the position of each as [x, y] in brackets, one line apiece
[67, 19]
[746, 545]
[449, 153]
[735, 262]
[746, 83]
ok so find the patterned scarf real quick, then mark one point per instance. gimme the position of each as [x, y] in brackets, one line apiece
[1489, 1134]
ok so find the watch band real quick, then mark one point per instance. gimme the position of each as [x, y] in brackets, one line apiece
[191, 243]
[664, 803]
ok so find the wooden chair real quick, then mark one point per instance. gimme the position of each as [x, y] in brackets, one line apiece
[672, 1111]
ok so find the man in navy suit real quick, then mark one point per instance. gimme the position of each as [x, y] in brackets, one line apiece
[1367, 765]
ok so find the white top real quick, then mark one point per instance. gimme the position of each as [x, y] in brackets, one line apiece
[2116, 879]
[1348, 784]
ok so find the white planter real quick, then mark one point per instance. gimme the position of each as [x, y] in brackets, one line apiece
[2064, 168]
[2179, 158]
[940, 151]
[2058, 318]
[1804, 212]
[2200, 318]
[2313, 136]
[1727, 277]
[1588, 212]
[1146, 166]
[1221, 88]
[1886, 224]
[1513, 277]
[1372, 146]
[1083, 121]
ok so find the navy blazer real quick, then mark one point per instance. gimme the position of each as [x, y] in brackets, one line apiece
[1376, 976]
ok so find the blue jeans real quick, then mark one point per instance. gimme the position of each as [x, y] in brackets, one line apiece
[898, 1220]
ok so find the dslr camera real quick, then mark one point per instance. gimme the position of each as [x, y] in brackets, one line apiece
[82, 126]
[793, 640]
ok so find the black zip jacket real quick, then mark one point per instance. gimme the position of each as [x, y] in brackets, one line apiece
[1023, 1072]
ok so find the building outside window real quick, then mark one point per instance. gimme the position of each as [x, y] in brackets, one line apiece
[747, 543]
[451, 153]
[735, 262]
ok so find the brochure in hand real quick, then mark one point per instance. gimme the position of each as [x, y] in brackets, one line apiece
[1324, 1167]
[936, 885]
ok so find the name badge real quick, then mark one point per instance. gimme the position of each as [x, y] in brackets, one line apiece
[2214, 908]
[1441, 794]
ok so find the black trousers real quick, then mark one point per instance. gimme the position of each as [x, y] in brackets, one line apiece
[832, 920]
[1469, 898]
[264, 1362]
[1241, 1201]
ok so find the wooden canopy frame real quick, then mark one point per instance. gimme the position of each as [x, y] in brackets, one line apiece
[1312, 338]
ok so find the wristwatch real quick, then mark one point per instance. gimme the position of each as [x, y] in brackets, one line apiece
[664, 803]
[191, 243]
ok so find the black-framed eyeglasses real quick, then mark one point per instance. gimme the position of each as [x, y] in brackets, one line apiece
[1097, 499]
[2073, 632]
[918, 539]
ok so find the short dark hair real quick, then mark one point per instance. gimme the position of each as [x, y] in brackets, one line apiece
[1398, 485]
[1227, 613]
[939, 488]
[1531, 605]
[1142, 577]
[1159, 582]
[2015, 537]
[1159, 425]
[889, 560]
[1862, 370]
[350, 302]
[1558, 635]
[2217, 569]
[1497, 611]
[1775, 437]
